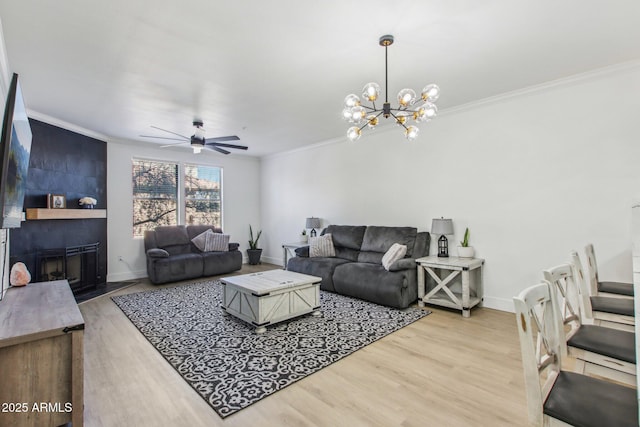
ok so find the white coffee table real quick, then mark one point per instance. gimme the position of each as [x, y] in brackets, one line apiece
[271, 296]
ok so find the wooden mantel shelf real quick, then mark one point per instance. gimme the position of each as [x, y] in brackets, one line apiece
[44, 213]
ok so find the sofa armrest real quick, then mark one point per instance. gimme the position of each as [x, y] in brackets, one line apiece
[403, 264]
[233, 246]
[302, 251]
[157, 253]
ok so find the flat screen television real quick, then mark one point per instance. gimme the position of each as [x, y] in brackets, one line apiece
[15, 148]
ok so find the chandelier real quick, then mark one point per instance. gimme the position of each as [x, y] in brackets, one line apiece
[421, 109]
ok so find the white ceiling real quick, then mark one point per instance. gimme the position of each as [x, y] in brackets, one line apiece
[276, 72]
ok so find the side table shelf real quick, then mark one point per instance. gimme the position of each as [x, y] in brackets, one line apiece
[445, 292]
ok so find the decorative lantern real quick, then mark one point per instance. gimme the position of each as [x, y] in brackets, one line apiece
[442, 226]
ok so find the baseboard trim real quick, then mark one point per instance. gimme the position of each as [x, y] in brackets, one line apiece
[129, 275]
[502, 304]
[272, 260]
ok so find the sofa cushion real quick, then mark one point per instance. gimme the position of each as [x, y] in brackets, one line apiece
[157, 253]
[395, 252]
[209, 241]
[321, 267]
[370, 257]
[373, 283]
[177, 267]
[173, 239]
[403, 264]
[302, 251]
[215, 263]
[321, 246]
[346, 236]
[380, 239]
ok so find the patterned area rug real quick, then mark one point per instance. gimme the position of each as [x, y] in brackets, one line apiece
[231, 366]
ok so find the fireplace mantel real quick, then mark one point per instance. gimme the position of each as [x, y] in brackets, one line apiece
[44, 213]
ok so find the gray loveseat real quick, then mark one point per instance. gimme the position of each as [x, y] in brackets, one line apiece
[171, 256]
[357, 269]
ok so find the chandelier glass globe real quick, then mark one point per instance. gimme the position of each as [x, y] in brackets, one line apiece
[406, 97]
[351, 100]
[411, 133]
[430, 92]
[354, 133]
[371, 91]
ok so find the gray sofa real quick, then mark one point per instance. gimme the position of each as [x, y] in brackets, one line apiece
[357, 269]
[171, 256]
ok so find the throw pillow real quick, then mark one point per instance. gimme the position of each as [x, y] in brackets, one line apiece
[209, 241]
[395, 252]
[321, 246]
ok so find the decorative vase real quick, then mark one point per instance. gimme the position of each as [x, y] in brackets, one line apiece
[304, 238]
[254, 256]
[466, 252]
[88, 206]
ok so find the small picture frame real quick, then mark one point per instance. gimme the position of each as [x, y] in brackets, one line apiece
[57, 201]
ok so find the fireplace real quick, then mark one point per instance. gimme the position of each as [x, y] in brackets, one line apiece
[77, 264]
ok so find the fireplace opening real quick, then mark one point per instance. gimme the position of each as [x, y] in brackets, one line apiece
[77, 264]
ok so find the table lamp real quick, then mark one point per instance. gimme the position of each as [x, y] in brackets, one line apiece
[313, 223]
[442, 226]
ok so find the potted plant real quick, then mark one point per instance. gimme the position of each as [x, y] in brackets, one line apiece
[254, 253]
[303, 236]
[464, 250]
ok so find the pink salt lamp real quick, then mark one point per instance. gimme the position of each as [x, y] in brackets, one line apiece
[19, 275]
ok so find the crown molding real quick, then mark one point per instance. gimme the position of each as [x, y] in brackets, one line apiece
[66, 125]
[542, 87]
[565, 81]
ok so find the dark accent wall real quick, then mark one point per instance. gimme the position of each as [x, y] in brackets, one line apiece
[62, 162]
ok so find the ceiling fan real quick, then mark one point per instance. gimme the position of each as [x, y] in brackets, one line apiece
[198, 141]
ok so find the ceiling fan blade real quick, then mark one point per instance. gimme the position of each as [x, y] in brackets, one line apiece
[173, 145]
[223, 138]
[219, 150]
[173, 133]
[160, 137]
[218, 144]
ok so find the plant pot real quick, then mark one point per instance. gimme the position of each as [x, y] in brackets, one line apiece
[304, 238]
[466, 252]
[254, 256]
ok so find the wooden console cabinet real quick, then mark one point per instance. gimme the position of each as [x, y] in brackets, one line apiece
[41, 356]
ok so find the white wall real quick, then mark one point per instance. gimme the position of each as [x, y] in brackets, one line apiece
[533, 174]
[241, 201]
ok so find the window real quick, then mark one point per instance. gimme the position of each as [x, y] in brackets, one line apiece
[155, 195]
[166, 193]
[202, 185]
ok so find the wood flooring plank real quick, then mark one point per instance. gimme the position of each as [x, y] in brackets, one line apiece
[442, 370]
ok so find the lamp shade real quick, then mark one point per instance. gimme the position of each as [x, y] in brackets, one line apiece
[441, 226]
[313, 222]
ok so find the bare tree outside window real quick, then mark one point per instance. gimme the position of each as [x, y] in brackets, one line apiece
[155, 195]
[203, 202]
[157, 201]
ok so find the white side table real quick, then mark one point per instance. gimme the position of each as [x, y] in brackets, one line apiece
[445, 293]
[288, 249]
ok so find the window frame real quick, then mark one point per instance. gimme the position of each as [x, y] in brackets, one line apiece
[183, 188]
[181, 193]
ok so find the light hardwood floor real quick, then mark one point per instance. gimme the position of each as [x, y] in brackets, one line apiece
[442, 370]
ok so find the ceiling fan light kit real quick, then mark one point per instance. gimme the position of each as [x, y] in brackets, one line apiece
[410, 106]
[198, 140]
